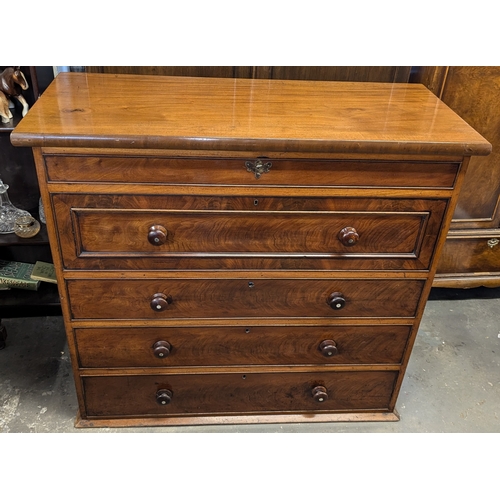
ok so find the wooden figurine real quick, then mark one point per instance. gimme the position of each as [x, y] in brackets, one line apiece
[12, 83]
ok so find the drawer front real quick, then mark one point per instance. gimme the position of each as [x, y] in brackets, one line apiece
[470, 254]
[237, 393]
[116, 232]
[235, 172]
[252, 345]
[166, 299]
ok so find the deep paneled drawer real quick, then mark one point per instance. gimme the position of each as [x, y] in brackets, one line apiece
[252, 345]
[219, 298]
[245, 172]
[237, 393]
[172, 232]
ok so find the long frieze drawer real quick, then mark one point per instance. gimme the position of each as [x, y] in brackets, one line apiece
[251, 171]
[251, 345]
[247, 233]
[200, 394]
[166, 299]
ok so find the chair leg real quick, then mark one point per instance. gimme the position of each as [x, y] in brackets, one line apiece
[3, 335]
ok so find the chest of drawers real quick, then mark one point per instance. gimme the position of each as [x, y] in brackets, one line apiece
[243, 251]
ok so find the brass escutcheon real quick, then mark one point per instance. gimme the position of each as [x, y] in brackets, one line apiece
[493, 242]
[258, 167]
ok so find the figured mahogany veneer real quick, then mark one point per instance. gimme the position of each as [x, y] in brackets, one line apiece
[228, 171]
[101, 232]
[244, 345]
[194, 394]
[219, 298]
[243, 251]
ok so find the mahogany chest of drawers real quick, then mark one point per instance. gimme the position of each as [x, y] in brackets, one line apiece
[243, 250]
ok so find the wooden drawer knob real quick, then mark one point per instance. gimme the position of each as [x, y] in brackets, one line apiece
[348, 236]
[164, 396]
[160, 302]
[328, 348]
[319, 394]
[161, 349]
[157, 235]
[336, 300]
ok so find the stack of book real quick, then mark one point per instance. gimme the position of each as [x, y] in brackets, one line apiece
[26, 276]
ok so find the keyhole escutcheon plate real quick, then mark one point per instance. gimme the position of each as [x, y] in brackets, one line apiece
[258, 167]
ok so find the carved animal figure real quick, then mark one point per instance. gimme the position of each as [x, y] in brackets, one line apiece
[12, 83]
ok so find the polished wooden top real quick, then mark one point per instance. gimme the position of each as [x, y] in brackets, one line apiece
[131, 111]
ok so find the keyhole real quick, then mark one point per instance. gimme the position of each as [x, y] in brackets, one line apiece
[247, 330]
[243, 377]
[251, 284]
[255, 202]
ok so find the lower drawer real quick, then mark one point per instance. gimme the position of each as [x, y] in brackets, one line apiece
[470, 253]
[251, 345]
[234, 393]
[165, 299]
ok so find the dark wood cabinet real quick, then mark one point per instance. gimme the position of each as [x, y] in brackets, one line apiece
[386, 74]
[471, 256]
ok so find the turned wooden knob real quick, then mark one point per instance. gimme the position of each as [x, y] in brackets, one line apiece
[161, 349]
[160, 302]
[157, 235]
[164, 396]
[348, 236]
[328, 348]
[336, 300]
[319, 394]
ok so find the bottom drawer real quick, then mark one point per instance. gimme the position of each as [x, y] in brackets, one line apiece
[237, 393]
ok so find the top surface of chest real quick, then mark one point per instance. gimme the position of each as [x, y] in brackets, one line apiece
[129, 111]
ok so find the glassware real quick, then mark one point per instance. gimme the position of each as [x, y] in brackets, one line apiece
[8, 212]
[41, 212]
[26, 226]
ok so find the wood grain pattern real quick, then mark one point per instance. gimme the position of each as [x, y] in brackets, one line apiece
[338, 73]
[276, 418]
[236, 393]
[197, 71]
[470, 253]
[250, 345]
[110, 232]
[261, 232]
[232, 171]
[473, 92]
[218, 298]
[241, 114]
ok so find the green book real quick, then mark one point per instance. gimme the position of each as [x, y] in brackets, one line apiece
[17, 275]
[44, 271]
